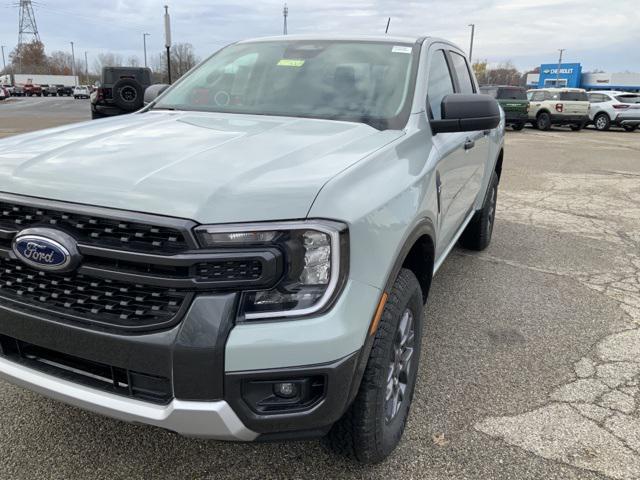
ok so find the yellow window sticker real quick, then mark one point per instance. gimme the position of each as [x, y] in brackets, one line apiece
[286, 62]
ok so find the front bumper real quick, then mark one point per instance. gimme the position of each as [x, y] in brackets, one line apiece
[207, 361]
[196, 419]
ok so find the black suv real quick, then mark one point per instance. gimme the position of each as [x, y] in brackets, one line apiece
[64, 90]
[121, 91]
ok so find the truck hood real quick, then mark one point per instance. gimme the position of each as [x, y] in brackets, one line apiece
[208, 167]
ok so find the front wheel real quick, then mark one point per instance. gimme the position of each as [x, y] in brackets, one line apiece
[477, 235]
[373, 426]
[602, 122]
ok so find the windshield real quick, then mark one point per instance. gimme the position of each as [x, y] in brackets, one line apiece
[366, 82]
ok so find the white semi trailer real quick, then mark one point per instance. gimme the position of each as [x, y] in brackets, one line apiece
[27, 78]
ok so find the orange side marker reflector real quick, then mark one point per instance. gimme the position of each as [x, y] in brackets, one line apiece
[376, 319]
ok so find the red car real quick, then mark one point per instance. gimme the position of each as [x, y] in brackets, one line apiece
[31, 89]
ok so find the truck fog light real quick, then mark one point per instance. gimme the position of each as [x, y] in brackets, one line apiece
[285, 390]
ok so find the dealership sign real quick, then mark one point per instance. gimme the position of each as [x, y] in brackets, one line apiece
[564, 75]
[554, 71]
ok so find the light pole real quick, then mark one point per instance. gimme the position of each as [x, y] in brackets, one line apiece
[167, 39]
[4, 64]
[473, 32]
[285, 13]
[86, 67]
[561, 50]
[144, 41]
[73, 65]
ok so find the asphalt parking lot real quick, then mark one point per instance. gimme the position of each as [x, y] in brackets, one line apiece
[531, 357]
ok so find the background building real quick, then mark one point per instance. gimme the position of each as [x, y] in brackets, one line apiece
[571, 76]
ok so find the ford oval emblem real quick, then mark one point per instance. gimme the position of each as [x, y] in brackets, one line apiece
[46, 249]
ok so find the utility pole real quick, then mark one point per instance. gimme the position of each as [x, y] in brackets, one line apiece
[86, 67]
[73, 65]
[386, 30]
[167, 39]
[561, 50]
[4, 63]
[144, 41]
[285, 13]
[473, 32]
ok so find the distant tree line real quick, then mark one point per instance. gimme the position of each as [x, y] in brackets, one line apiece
[32, 58]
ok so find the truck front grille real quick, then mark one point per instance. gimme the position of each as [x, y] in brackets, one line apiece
[95, 230]
[100, 300]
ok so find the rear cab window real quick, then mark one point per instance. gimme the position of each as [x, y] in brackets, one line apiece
[461, 68]
[511, 94]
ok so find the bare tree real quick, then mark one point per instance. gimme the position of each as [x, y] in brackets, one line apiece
[133, 61]
[183, 59]
[108, 59]
[29, 58]
[60, 63]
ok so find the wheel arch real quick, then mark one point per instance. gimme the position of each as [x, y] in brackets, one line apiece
[418, 255]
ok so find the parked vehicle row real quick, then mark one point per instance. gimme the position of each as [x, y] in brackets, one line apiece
[573, 107]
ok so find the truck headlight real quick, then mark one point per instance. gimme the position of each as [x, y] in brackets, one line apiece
[315, 254]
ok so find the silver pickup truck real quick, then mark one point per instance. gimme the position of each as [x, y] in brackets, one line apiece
[249, 255]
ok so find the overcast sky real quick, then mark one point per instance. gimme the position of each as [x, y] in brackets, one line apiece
[604, 35]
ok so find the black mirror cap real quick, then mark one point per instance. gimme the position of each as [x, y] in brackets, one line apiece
[152, 92]
[463, 112]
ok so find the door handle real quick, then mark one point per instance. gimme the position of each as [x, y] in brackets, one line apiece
[469, 144]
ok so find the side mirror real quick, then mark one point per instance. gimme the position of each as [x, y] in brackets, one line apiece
[152, 92]
[467, 113]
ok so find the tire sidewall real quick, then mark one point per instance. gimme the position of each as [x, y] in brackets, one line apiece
[607, 122]
[546, 123]
[128, 86]
[391, 432]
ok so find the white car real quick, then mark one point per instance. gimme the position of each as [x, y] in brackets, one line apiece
[81, 92]
[612, 108]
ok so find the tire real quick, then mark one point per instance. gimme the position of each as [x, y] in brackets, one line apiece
[128, 94]
[477, 235]
[543, 121]
[602, 122]
[518, 126]
[370, 430]
[630, 128]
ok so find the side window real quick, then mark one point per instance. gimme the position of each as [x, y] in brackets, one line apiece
[462, 72]
[439, 84]
[538, 96]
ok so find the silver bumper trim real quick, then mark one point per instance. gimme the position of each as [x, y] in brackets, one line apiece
[215, 420]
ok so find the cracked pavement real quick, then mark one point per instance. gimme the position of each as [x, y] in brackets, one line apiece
[531, 357]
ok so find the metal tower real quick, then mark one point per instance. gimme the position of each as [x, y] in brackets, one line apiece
[28, 24]
[285, 13]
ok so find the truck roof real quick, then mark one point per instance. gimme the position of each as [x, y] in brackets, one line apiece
[355, 38]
